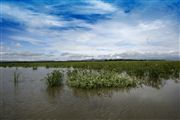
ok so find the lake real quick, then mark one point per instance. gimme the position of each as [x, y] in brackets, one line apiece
[30, 98]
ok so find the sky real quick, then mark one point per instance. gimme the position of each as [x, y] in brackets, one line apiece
[89, 29]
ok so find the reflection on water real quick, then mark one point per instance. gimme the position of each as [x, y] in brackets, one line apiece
[30, 98]
[107, 92]
[54, 91]
[159, 83]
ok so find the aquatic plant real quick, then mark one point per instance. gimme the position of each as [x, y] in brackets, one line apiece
[16, 77]
[99, 79]
[54, 78]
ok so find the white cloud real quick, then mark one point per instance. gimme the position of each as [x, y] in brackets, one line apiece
[95, 7]
[107, 38]
[119, 33]
[151, 25]
[30, 18]
[31, 40]
[18, 45]
[36, 20]
[4, 48]
[24, 56]
[117, 38]
[102, 6]
[27, 56]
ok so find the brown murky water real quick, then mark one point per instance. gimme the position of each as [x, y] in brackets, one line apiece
[30, 99]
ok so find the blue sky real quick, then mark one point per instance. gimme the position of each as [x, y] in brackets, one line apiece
[86, 29]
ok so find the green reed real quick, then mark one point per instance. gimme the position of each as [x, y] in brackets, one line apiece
[54, 78]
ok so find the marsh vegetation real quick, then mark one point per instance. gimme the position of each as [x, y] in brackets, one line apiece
[154, 69]
[54, 78]
[100, 79]
[107, 74]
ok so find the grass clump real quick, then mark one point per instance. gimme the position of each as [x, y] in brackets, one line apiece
[89, 79]
[54, 78]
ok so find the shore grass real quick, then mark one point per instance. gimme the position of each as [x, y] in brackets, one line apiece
[88, 79]
[54, 78]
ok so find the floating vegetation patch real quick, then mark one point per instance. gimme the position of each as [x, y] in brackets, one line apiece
[89, 79]
[54, 78]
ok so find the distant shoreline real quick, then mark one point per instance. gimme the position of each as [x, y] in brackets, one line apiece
[92, 60]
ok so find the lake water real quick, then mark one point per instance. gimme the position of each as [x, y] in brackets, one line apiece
[31, 99]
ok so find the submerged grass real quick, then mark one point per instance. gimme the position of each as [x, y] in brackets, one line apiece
[89, 79]
[54, 78]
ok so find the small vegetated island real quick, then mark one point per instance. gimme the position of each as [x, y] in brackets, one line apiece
[107, 74]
